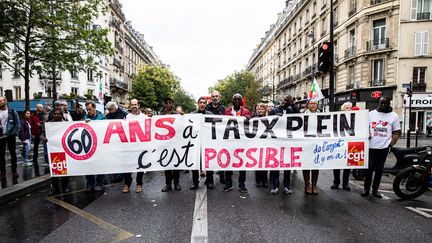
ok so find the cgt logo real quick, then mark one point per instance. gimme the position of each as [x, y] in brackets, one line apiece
[79, 141]
[58, 163]
[356, 154]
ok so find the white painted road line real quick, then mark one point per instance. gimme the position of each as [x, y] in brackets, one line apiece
[421, 211]
[199, 225]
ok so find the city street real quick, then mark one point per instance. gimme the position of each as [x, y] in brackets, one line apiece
[153, 216]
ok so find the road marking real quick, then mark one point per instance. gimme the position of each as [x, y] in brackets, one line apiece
[199, 224]
[120, 234]
[386, 191]
[421, 211]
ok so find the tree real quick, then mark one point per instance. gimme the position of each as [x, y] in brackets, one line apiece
[184, 99]
[243, 83]
[152, 84]
[52, 36]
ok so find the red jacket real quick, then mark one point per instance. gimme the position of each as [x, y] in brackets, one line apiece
[35, 125]
[243, 112]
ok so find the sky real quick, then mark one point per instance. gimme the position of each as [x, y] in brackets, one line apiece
[203, 41]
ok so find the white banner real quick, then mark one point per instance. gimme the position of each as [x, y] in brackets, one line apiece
[335, 140]
[118, 146]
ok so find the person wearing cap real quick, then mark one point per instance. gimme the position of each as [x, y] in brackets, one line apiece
[236, 110]
[170, 175]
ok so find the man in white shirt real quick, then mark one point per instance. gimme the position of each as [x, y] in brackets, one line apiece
[384, 129]
[135, 114]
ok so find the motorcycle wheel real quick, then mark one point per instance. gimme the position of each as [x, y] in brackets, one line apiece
[358, 174]
[410, 183]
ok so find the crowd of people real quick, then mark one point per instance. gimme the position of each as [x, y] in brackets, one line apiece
[383, 123]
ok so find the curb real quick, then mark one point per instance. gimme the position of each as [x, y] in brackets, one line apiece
[12, 192]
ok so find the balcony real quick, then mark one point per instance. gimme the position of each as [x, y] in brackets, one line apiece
[377, 44]
[352, 12]
[350, 52]
[118, 46]
[349, 86]
[115, 83]
[377, 82]
[423, 16]
[419, 87]
[313, 16]
[49, 76]
[118, 63]
[373, 2]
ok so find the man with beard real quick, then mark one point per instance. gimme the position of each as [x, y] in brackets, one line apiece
[236, 110]
[216, 108]
[384, 131]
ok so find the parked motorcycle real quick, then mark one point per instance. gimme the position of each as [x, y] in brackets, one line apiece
[405, 157]
[413, 181]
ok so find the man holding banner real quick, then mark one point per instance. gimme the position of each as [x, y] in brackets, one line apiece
[236, 110]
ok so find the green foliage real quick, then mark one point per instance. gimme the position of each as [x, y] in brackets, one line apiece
[52, 36]
[243, 83]
[152, 84]
[184, 99]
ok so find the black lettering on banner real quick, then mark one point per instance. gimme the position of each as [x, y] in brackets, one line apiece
[140, 164]
[187, 132]
[305, 127]
[233, 127]
[213, 121]
[344, 126]
[269, 127]
[174, 153]
[290, 127]
[335, 125]
[84, 144]
[247, 131]
[321, 127]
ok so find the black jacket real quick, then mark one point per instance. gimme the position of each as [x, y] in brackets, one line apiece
[279, 111]
[119, 114]
[219, 110]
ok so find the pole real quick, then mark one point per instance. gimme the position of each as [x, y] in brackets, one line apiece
[331, 81]
[409, 119]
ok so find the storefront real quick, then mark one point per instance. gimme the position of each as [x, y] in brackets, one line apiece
[365, 98]
[421, 112]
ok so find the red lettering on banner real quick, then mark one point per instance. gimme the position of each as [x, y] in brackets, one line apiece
[219, 158]
[160, 123]
[282, 159]
[271, 156]
[115, 128]
[135, 130]
[251, 157]
[261, 158]
[236, 154]
[295, 157]
[209, 154]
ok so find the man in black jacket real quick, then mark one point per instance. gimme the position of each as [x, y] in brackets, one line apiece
[287, 107]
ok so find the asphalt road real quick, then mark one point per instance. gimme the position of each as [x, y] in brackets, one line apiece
[153, 216]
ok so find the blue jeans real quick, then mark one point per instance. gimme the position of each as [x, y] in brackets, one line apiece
[25, 152]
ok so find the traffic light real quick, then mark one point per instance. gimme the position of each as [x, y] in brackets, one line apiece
[324, 55]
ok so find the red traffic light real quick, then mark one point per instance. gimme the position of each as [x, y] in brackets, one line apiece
[324, 47]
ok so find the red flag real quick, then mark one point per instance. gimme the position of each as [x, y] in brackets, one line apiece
[244, 102]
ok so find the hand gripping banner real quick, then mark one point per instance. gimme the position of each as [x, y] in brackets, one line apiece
[335, 140]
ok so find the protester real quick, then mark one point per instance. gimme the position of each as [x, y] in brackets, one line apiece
[287, 107]
[66, 114]
[114, 112]
[261, 175]
[78, 114]
[312, 107]
[180, 110]
[270, 107]
[94, 182]
[36, 123]
[55, 182]
[347, 106]
[148, 112]
[216, 108]
[202, 103]
[134, 114]
[170, 175]
[25, 137]
[384, 129]
[236, 110]
[9, 129]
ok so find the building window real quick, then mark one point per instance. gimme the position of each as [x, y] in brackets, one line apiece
[336, 16]
[421, 43]
[90, 92]
[16, 71]
[1, 72]
[352, 38]
[74, 90]
[90, 75]
[377, 72]
[314, 8]
[335, 51]
[17, 92]
[323, 27]
[307, 15]
[421, 9]
[419, 79]
[379, 32]
[74, 74]
[351, 76]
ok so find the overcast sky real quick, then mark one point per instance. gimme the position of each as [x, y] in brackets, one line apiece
[202, 40]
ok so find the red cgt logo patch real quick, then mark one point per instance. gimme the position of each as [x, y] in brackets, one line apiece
[58, 163]
[356, 154]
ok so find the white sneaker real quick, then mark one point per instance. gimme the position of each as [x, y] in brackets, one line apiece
[29, 164]
[274, 191]
[288, 191]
